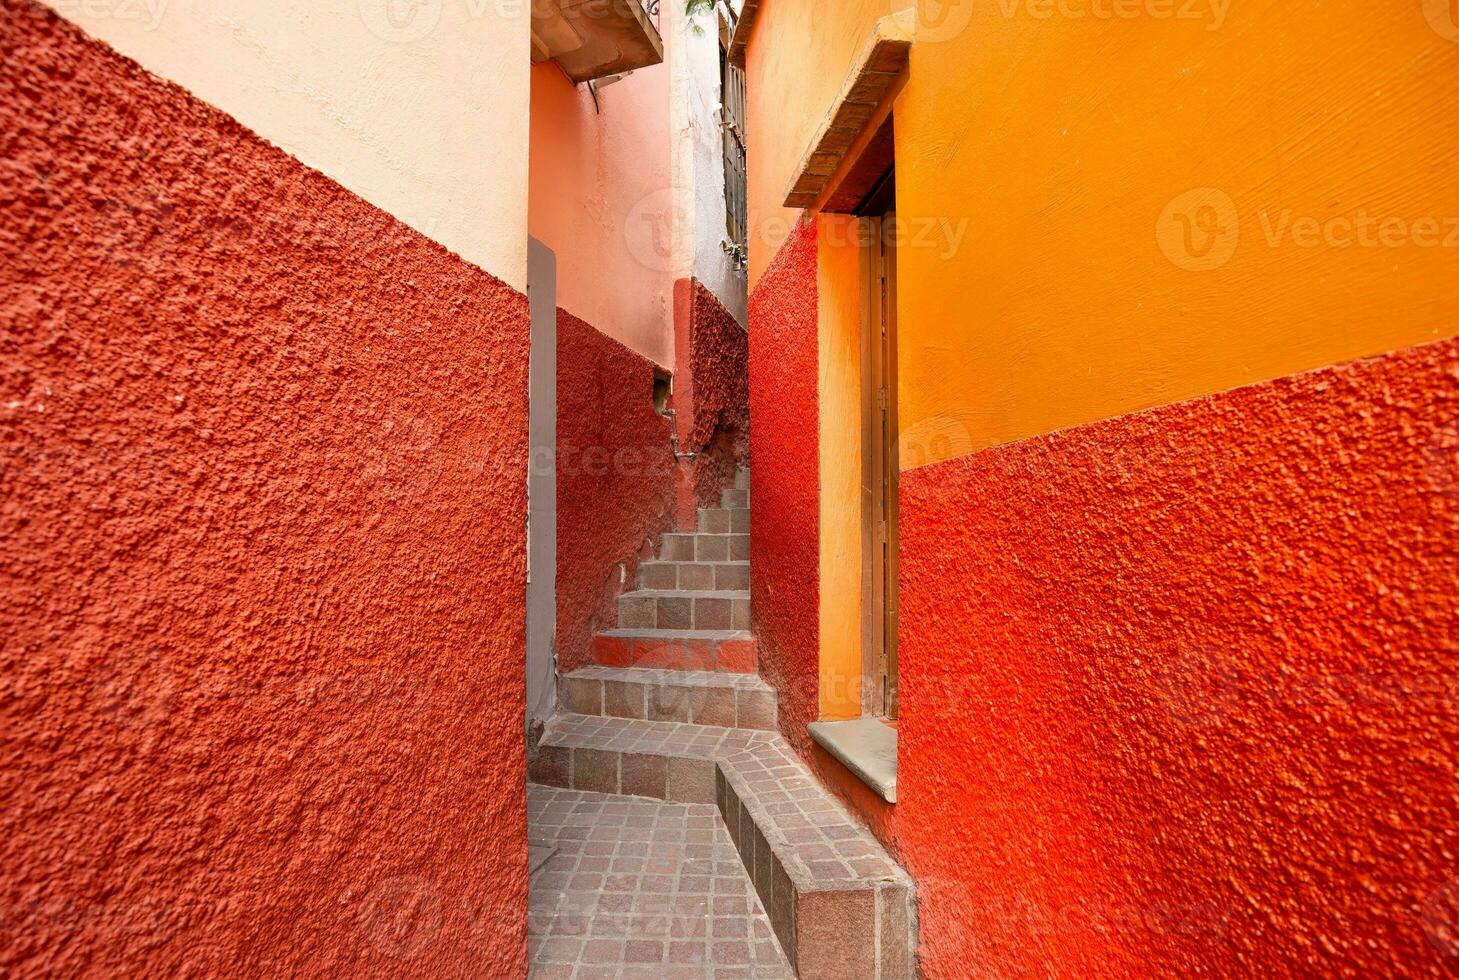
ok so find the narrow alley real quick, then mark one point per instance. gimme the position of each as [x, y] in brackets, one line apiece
[705, 489]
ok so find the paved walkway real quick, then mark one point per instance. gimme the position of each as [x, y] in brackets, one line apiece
[640, 888]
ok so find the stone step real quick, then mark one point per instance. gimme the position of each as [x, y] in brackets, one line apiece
[694, 576]
[838, 904]
[698, 697]
[723, 520]
[734, 498]
[726, 651]
[681, 546]
[675, 609]
[742, 479]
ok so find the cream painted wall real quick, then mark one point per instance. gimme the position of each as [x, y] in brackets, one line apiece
[601, 200]
[698, 157]
[423, 113]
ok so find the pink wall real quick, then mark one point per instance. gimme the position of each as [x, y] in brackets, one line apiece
[600, 197]
[262, 585]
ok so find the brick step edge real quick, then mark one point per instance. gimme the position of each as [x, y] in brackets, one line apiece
[838, 904]
[690, 697]
[726, 651]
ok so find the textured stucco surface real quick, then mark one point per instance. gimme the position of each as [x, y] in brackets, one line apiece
[1179, 688]
[1110, 206]
[261, 585]
[615, 480]
[419, 107]
[711, 396]
[618, 484]
[784, 513]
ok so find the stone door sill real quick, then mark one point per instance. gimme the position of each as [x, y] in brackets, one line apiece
[867, 747]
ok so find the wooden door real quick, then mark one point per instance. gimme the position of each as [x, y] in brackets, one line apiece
[879, 536]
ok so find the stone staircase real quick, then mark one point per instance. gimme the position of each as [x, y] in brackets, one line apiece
[674, 710]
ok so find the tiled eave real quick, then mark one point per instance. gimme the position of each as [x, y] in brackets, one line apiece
[882, 60]
[740, 39]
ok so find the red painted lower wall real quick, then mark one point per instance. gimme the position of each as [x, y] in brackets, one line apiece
[711, 396]
[615, 480]
[618, 484]
[261, 582]
[785, 480]
[1180, 690]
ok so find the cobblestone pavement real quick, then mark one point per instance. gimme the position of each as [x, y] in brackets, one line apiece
[639, 888]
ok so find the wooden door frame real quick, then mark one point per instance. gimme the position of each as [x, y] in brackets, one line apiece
[879, 447]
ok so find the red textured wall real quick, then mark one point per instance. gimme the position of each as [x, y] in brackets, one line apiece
[784, 491]
[711, 395]
[261, 585]
[619, 486]
[1179, 689]
[615, 480]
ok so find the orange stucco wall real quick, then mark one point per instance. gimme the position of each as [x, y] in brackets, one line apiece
[1045, 165]
[839, 307]
[1102, 216]
[796, 77]
[600, 198]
